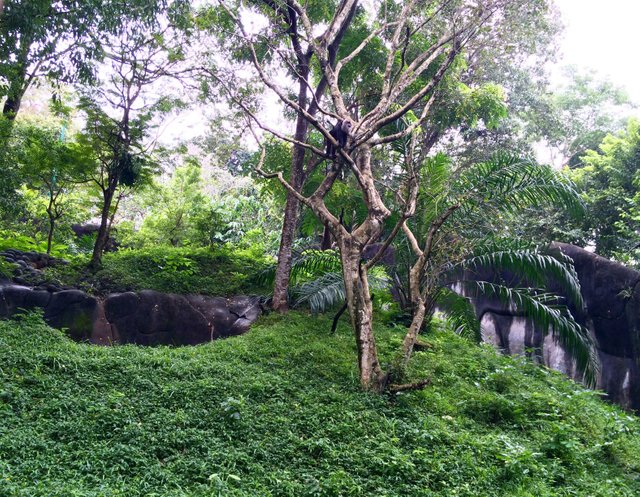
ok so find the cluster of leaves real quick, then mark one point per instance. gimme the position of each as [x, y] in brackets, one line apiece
[279, 412]
[609, 179]
[316, 281]
[222, 271]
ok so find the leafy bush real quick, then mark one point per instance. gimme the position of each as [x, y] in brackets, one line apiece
[279, 412]
[10, 239]
[223, 271]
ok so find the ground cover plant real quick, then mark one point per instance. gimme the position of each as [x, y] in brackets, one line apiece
[219, 271]
[279, 412]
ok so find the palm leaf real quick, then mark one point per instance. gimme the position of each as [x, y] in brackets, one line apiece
[308, 265]
[534, 267]
[460, 313]
[321, 293]
[509, 183]
[545, 312]
[328, 290]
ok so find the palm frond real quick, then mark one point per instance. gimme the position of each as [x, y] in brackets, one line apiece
[435, 175]
[328, 290]
[545, 312]
[510, 183]
[460, 313]
[534, 267]
[313, 263]
[321, 293]
[308, 265]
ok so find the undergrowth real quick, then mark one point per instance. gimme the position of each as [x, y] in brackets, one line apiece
[221, 271]
[278, 412]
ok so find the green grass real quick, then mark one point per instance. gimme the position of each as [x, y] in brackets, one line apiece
[221, 271]
[278, 412]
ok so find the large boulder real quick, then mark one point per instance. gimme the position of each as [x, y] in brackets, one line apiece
[145, 318]
[612, 316]
[153, 318]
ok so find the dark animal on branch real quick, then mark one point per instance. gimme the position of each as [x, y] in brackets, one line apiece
[340, 132]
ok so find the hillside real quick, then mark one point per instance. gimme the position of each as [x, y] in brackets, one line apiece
[278, 412]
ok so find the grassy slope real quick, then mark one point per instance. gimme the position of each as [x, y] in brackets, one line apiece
[278, 412]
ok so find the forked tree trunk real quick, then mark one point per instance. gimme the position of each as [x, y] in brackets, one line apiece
[355, 275]
[372, 377]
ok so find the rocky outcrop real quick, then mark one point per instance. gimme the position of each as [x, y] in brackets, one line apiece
[90, 229]
[612, 315]
[145, 318]
[27, 266]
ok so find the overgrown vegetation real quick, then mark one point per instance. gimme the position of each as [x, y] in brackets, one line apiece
[279, 412]
[223, 271]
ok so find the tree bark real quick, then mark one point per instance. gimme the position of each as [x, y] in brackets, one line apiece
[372, 377]
[298, 176]
[291, 211]
[52, 225]
[11, 107]
[103, 232]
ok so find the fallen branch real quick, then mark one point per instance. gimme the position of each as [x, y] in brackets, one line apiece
[418, 385]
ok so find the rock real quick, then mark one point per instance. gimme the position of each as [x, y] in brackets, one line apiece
[73, 310]
[145, 318]
[153, 318]
[14, 298]
[611, 293]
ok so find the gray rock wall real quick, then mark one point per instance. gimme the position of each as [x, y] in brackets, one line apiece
[612, 299]
[145, 318]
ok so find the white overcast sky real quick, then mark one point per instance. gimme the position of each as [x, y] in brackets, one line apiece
[603, 35]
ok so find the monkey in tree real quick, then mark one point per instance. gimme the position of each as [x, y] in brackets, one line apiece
[340, 132]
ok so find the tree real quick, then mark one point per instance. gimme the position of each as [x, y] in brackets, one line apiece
[176, 208]
[120, 113]
[419, 44]
[456, 242]
[609, 182]
[582, 113]
[50, 165]
[62, 40]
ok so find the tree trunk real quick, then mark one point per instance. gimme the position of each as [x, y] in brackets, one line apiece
[52, 225]
[103, 232]
[11, 107]
[419, 313]
[326, 238]
[292, 208]
[283, 269]
[372, 376]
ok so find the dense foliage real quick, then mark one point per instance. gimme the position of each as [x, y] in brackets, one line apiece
[385, 228]
[224, 271]
[279, 412]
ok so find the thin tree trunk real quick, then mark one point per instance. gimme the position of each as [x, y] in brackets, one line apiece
[289, 227]
[52, 225]
[11, 107]
[419, 313]
[326, 238]
[103, 232]
[292, 207]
